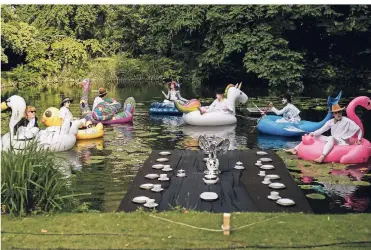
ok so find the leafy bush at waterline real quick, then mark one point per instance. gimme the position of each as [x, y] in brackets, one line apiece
[31, 181]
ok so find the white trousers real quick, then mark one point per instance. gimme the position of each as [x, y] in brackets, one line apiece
[330, 143]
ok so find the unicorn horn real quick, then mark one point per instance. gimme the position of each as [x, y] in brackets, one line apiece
[239, 87]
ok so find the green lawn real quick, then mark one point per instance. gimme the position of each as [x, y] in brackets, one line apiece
[140, 230]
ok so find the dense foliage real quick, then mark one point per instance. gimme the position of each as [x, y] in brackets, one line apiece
[280, 45]
[32, 181]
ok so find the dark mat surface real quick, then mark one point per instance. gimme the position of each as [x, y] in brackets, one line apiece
[238, 190]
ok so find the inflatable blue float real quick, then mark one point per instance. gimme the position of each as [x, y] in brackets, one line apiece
[161, 108]
[268, 125]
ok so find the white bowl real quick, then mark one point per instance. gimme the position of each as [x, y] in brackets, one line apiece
[164, 153]
[162, 159]
[210, 176]
[152, 176]
[146, 186]
[210, 182]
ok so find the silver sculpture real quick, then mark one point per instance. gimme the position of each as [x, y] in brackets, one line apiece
[213, 146]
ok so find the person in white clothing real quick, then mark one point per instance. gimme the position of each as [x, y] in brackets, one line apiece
[219, 105]
[289, 113]
[342, 129]
[101, 94]
[64, 111]
[173, 94]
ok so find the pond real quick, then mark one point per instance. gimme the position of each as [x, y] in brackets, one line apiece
[105, 167]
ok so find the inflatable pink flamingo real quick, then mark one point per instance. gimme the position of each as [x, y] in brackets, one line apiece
[311, 148]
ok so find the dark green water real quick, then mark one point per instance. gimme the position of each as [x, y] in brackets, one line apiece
[105, 167]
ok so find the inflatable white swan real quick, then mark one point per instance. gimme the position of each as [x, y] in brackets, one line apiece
[53, 138]
[233, 95]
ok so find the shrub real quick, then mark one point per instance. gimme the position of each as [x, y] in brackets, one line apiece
[31, 181]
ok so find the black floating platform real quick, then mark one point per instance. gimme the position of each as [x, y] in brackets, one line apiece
[238, 190]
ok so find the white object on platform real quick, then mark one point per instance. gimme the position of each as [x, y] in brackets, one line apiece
[164, 153]
[152, 176]
[210, 182]
[146, 186]
[285, 202]
[140, 199]
[239, 167]
[274, 198]
[267, 167]
[239, 163]
[208, 196]
[162, 159]
[163, 179]
[265, 159]
[261, 153]
[276, 185]
[151, 205]
[273, 176]
[157, 189]
[158, 166]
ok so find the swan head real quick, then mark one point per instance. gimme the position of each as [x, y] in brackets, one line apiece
[18, 106]
[51, 117]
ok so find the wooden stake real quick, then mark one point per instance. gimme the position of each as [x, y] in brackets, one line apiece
[226, 223]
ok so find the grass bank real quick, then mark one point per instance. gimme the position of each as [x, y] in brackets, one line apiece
[141, 230]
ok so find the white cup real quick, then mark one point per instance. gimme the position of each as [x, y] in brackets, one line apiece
[262, 173]
[163, 176]
[274, 194]
[157, 186]
[150, 201]
[267, 180]
[181, 171]
[166, 167]
[259, 162]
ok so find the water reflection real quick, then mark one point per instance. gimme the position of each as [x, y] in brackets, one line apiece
[169, 120]
[276, 142]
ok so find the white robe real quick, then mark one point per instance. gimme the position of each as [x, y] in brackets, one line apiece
[65, 113]
[97, 100]
[221, 106]
[341, 130]
[174, 95]
[290, 113]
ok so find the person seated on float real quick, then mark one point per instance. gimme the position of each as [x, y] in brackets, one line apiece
[342, 129]
[65, 113]
[219, 105]
[101, 94]
[173, 93]
[29, 120]
[290, 113]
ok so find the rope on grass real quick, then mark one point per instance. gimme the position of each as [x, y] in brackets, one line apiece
[183, 224]
[216, 230]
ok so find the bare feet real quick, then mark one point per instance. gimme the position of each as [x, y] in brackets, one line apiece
[320, 159]
[292, 151]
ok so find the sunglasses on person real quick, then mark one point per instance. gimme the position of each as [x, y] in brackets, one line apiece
[32, 111]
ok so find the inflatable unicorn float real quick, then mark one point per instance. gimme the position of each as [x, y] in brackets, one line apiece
[311, 148]
[106, 112]
[55, 138]
[192, 115]
[268, 124]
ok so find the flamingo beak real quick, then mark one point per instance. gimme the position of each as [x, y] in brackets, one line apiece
[4, 106]
[239, 87]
